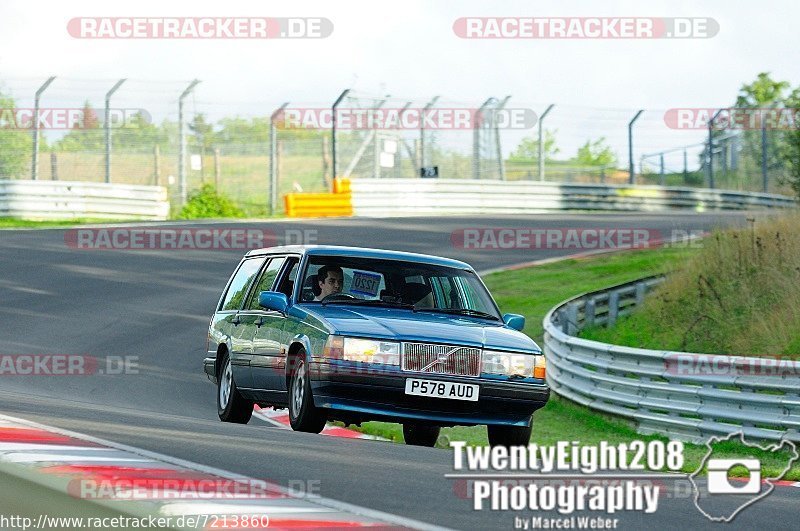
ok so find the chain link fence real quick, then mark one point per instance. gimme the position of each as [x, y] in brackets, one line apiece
[242, 147]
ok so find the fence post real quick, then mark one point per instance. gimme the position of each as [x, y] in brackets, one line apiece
[421, 152]
[35, 156]
[273, 169]
[501, 167]
[107, 126]
[344, 93]
[53, 166]
[157, 164]
[764, 174]
[613, 308]
[711, 149]
[589, 310]
[641, 290]
[541, 141]
[476, 138]
[631, 174]
[216, 168]
[182, 142]
[661, 175]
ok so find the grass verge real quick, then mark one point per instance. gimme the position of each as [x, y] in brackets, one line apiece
[532, 292]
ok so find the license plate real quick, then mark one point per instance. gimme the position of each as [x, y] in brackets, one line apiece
[451, 390]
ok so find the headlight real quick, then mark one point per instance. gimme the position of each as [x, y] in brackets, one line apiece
[510, 364]
[362, 350]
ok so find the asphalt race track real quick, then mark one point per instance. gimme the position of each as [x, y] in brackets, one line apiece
[156, 304]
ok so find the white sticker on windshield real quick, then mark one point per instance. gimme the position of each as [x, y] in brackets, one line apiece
[365, 283]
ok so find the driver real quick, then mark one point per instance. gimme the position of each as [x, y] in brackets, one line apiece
[330, 280]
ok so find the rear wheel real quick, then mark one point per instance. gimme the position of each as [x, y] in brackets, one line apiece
[419, 435]
[231, 405]
[303, 414]
[509, 435]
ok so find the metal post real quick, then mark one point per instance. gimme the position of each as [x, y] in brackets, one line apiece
[764, 173]
[476, 138]
[182, 141]
[333, 130]
[35, 159]
[685, 166]
[422, 131]
[107, 126]
[631, 174]
[501, 167]
[711, 149]
[661, 177]
[273, 168]
[541, 141]
[216, 168]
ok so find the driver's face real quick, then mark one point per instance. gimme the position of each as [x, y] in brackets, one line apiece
[333, 284]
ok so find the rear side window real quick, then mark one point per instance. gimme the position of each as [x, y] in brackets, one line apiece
[266, 281]
[237, 290]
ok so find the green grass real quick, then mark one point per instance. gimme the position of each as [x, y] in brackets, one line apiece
[17, 223]
[532, 292]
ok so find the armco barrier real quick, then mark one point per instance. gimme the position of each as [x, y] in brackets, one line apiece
[403, 197]
[679, 394]
[76, 199]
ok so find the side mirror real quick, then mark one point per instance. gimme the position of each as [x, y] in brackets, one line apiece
[515, 321]
[273, 300]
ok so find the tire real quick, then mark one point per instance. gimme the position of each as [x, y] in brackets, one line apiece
[509, 435]
[420, 435]
[303, 414]
[231, 405]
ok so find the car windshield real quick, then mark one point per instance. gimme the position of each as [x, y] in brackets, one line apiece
[400, 283]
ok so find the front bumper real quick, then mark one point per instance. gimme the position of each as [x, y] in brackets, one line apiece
[356, 392]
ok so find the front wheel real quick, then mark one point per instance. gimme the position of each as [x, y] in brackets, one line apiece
[509, 435]
[231, 405]
[303, 414]
[418, 435]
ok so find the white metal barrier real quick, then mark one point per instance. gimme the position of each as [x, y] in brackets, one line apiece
[680, 394]
[76, 199]
[404, 197]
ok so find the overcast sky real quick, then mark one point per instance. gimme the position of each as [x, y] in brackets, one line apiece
[407, 49]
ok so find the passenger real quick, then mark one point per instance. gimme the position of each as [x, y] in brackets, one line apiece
[330, 280]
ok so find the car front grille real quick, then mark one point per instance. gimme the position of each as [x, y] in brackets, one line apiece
[441, 359]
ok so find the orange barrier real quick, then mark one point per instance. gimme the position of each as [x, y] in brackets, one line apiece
[314, 205]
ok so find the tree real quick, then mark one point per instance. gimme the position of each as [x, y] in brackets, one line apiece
[790, 148]
[15, 144]
[528, 148]
[85, 136]
[597, 153]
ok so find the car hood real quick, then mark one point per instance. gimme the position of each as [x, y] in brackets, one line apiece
[405, 325]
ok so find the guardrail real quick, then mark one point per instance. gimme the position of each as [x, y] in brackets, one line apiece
[399, 197]
[679, 394]
[75, 199]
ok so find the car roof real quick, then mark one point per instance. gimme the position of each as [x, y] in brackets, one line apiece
[362, 252]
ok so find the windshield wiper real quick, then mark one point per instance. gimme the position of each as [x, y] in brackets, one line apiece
[461, 311]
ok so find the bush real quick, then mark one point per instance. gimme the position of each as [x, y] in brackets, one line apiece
[207, 203]
[739, 295]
